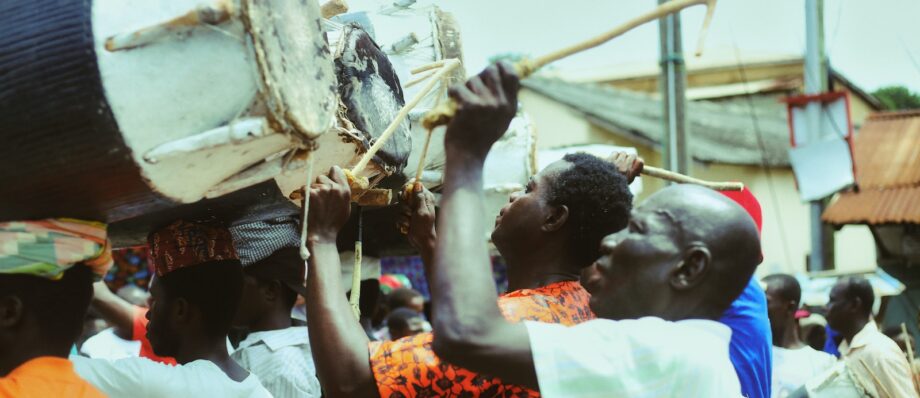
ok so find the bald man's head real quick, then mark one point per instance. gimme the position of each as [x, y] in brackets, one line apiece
[850, 303]
[688, 252]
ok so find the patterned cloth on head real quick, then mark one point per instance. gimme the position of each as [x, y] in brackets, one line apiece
[255, 241]
[49, 247]
[408, 367]
[182, 244]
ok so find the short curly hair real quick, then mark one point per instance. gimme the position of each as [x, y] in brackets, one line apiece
[598, 199]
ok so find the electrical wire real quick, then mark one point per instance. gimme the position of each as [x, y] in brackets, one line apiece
[763, 151]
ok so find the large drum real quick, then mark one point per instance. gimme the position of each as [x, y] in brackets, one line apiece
[132, 112]
[115, 108]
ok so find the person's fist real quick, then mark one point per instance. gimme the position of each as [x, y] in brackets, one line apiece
[486, 103]
[330, 205]
[629, 164]
[417, 216]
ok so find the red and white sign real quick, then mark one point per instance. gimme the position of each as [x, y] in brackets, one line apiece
[821, 150]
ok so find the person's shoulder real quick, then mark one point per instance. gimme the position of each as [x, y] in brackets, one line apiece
[253, 388]
[880, 345]
[120, 365]
[818, 355]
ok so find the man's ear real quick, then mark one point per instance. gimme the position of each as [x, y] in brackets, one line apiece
[557, 217]
[792, 307]
[181, 311]
[10, 311]
[856, 305]
[690, 271]
[271, 290]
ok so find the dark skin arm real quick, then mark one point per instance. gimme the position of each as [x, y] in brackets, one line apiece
[417, 215]
[469, 329]
[115, 310]
[339, 343]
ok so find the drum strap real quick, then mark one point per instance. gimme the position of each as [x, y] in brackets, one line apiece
[355, 298]
[304, 252]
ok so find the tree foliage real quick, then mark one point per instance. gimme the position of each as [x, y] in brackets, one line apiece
[897, 98]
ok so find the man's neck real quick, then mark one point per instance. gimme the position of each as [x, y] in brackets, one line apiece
[788, 337]
[213, 349]
[272, 320]
[537, 269]
[854, 329]
[12, 360]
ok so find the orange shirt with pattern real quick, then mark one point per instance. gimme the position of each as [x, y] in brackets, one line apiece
[46, 377]
[408, 367]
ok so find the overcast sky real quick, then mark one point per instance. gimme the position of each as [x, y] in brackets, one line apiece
[872, 42]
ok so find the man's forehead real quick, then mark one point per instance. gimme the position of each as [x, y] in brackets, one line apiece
[553, 168]
[653, 210]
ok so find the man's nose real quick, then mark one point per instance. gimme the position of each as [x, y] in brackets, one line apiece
[589, 273]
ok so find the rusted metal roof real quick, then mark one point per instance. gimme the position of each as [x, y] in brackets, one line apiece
[876, 206]
[887, 150]
[887, 157]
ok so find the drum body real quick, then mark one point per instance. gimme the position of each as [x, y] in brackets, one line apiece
[137, 112]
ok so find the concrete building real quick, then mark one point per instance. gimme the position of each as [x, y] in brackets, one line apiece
[737, 132]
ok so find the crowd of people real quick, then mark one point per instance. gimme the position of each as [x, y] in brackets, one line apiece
[605, 298]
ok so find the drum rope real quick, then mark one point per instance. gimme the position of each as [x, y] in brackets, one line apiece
[355, 298]
[305, 203]
[361, 183]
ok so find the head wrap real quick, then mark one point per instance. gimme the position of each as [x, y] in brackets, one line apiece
[257, 240]
[49, 247]
[183, 244]
[746, 199]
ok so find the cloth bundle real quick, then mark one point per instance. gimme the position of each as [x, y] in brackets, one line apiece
[49, 247]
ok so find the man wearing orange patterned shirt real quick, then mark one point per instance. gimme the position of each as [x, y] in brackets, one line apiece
[547, 234]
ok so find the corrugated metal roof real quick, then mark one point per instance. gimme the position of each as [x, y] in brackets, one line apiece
[887, 157]
[887, 150]
[718, 132]
[876, 206]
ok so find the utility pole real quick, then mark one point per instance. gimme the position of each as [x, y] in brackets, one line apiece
[821, 257]
[673, 83]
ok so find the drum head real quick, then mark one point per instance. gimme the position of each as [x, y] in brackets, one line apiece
[370, 91]
[295, 65]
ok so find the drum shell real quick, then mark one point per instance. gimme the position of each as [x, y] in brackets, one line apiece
[78, 121]
[61, 153]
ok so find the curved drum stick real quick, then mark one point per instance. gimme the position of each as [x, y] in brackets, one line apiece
[443, 114]
[682, 179]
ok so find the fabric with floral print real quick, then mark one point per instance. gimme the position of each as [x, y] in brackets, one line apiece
[408, 367]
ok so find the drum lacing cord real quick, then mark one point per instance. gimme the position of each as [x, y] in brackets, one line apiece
[355, 298]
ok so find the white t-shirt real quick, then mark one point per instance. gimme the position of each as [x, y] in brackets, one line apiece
[107, 345]
[141, 377]
[647, 357]
[793, 367]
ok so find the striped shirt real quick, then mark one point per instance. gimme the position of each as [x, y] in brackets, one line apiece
[647, 357]
[283, 361]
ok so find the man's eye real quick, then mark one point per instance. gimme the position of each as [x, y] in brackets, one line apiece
[634, 227]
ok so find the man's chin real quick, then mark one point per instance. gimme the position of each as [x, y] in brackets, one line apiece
[603, 311]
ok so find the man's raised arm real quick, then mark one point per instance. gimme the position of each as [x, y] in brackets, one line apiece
[115, 310]
[338, 342]
[469, 329]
